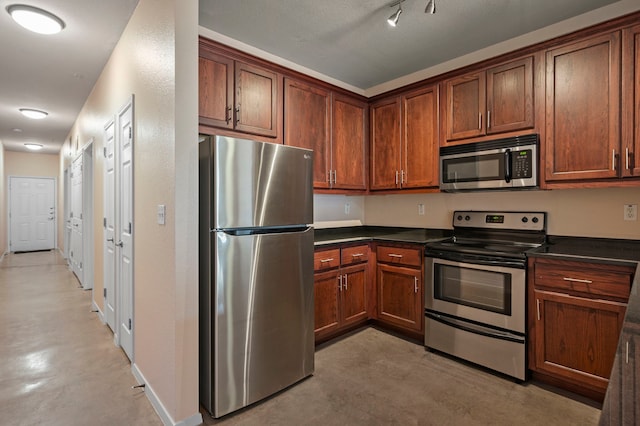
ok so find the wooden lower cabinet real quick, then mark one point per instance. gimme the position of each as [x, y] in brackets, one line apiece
[400, 296]
[341, 290]
[400, 284]
[576, 312]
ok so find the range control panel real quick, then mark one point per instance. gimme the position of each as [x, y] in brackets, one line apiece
[525, 221]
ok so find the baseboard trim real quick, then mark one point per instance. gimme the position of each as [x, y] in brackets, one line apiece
[157, 405]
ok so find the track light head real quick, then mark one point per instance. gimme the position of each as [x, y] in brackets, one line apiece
[431, 7]
[393, 19]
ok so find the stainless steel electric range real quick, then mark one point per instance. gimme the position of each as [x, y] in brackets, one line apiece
[475, 288]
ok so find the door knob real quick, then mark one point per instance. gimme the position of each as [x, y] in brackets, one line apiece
[119, 243]
[110, 240]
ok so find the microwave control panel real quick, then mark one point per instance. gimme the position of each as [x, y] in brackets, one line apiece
[521, 164]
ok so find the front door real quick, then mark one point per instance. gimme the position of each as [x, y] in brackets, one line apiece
[32, 213]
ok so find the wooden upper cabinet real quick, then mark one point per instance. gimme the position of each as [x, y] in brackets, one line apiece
[631, 102]
[349, 143]
[404, 141]
[510, 96]
[583, 109]
[420, 138]
[256, 100]
[307, 115]
[465, 106]
[385, 144]
[497, 100]
[216, 90]
[237, 96]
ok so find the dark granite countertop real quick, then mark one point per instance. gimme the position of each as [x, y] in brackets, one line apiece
[378, 233]
[593, 249]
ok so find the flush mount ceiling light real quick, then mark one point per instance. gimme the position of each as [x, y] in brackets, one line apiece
[33, 146]
[431, 7]
[393, 19]
[33, 113]
[36, 20]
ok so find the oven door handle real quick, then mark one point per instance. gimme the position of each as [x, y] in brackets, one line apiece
[475, 328]
[476, 259]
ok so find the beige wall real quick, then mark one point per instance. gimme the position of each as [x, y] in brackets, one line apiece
[3, 205]
[574, 212]
[155, 60]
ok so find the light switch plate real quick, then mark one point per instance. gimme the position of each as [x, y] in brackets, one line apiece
[162, 213]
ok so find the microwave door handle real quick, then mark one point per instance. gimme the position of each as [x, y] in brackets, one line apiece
[507, 165]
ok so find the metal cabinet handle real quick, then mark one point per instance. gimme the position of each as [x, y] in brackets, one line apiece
[626, 158]
[345, 283]
[326, 260]
[396, 178]
[402, 180]
[398, 256]
[329, 176]
[227, 114]
[488, 119]
[415, 284]
[577, 280]
[613, 159]
[538, 308]
[357, 254]
[339, 282]
[479, 121]
[335, 177]
[237, 114]
[627, 357]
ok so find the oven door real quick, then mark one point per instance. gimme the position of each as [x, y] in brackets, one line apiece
[486, 294]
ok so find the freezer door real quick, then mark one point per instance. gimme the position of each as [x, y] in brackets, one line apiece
[258, 184]
[263, 315]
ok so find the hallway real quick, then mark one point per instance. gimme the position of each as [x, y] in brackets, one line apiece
[59, 364]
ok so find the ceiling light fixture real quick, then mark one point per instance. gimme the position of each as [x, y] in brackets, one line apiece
[393, 19]
[33, 146]
[36, 20]
[33, 113]
[431, 7]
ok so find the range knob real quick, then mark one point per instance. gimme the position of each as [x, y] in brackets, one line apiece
[534, 220]
[467, 217]
[459, 217]
[525, 219]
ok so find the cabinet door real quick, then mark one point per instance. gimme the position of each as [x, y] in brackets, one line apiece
[307, 125]
[583, 109]
[327, 315]
[576, 338]
[510, 96]
[215, 85]
[420, 139]
[631, 101]
[400, 296]
[385, 144]
[465, 106]
[256, 100]
[353, 294]
[349, 143]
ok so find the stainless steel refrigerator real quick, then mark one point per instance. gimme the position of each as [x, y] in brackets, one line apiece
[256, 270]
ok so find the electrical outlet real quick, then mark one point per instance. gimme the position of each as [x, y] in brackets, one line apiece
[161, 214]
[421, 209]
[630, 212]
[347, 208]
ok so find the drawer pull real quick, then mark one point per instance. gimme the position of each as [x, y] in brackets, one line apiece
[344, 284]
[326, 260]
[538, 308]
[577, 280]
[415, 284]
[357, 254]
[397, 256]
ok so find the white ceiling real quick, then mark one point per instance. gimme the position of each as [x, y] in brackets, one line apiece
[54, 73]
[345, 40]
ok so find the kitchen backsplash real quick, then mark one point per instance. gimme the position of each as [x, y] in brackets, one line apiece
[572, 212]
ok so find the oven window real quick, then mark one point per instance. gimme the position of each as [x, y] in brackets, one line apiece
[486, 290]
[473, 168]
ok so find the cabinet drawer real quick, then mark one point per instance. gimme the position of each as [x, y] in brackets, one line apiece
[584, 278]
[355, 254]
[399, 256]
[326, 259]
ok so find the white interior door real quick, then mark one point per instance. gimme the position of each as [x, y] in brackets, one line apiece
[87, 217]
[124, 251]
[32, 213]
[67, 212]
[109, 224]
[76, 246]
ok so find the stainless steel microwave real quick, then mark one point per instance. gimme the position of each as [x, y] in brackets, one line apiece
[510, 163]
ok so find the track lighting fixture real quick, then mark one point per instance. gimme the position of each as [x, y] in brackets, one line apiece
[393, 19]
[431, 7]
